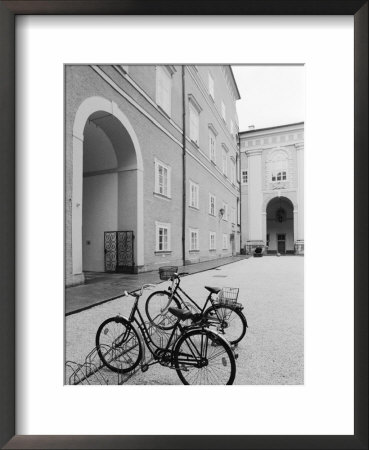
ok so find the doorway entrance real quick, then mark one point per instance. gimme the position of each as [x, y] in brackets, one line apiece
[279, 229]
[109, 194]
[281, 240]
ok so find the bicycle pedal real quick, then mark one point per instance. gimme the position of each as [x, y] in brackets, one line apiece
[144, 368]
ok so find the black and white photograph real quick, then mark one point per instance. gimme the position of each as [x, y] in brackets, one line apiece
[184, 224]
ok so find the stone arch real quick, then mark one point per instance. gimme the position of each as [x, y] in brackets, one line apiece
[268, 198]
[280, 224]
[86, 109]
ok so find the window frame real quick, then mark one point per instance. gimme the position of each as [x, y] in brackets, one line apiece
[225, 207]
[211, 86]
[166, 226]
[210, 204]
[225, 239]
[162, 73]
[242, 176]
[197, 197]
[214, 235]
[196, 232]
[223, 111]
[212, 149]
[157, 164]
[224, 161]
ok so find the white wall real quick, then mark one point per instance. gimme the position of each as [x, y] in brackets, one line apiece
[100, 197]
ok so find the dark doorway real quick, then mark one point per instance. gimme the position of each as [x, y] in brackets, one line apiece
[281, 239]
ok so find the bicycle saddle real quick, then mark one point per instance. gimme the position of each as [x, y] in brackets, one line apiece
[213, 290]
[182, 314]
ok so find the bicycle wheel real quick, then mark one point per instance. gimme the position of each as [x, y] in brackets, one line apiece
[230, 322]
[118, 345]
[203, 357]
[156, 308]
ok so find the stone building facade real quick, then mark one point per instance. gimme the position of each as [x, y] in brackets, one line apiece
[272, 189]
[151, 167]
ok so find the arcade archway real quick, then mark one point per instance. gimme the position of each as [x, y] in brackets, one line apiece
[107, 184]
[280, 226]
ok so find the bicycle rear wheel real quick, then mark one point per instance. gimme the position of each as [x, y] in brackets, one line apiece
[230, 322]
[203, 357]
[156, 308]
[118, 345]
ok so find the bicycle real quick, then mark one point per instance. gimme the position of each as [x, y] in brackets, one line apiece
[224, 312]
[199, 355]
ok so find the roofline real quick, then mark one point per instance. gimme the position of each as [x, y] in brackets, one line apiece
[235, 83]
[271, 128]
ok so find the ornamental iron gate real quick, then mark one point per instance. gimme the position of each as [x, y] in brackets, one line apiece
[119, 251]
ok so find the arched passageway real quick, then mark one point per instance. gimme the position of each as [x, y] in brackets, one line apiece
[107, 190]
[280, 227]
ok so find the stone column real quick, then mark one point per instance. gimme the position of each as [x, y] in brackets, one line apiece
[255, 199]
[300, 198]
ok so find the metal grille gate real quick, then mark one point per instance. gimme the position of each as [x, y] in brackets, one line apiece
[119, 251]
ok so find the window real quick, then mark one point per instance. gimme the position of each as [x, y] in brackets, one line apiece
[194, 124]
[162, 236]
[278, 166]
[233, 215]
[244, 177]
[212, 145]
[212, 240]
[163, 88]
[212, 204]
[225, 208]
[194, 240]
[224, 160]
[223, 111]
[211, 85]
[194, 195]
[232, 170]
[162, 178]
[238, 212]
[225, 241]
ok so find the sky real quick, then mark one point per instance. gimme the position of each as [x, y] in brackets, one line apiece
[270, 95]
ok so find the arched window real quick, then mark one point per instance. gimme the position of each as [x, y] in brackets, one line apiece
[279, 167]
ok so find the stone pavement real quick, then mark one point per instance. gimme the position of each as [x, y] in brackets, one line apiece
[103, 287]
[272, 352]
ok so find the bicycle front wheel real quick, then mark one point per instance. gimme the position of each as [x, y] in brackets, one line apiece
[203, 357]
[118, 345]
[156, 308]
[229, 322]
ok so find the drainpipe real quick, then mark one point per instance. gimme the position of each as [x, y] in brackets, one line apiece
[240, 186]
[183, 166]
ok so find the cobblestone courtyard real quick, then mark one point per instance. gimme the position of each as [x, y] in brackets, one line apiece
[271, 290]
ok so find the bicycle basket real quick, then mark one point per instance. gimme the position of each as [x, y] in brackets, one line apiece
[167, 272]
[228, 295]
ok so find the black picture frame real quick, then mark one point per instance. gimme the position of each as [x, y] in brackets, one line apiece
[8, 11]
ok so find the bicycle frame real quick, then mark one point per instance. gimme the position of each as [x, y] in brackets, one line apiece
[174, 292]
[145, 332]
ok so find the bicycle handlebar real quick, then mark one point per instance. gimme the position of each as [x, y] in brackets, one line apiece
[134, 294]
[181, 274]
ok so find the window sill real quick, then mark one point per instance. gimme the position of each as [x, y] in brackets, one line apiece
[213, 162]
[212, 249]
[194, 251]
[165, 197]
[211, 215]
[194, 208]
[163, 252]
[195, 143]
